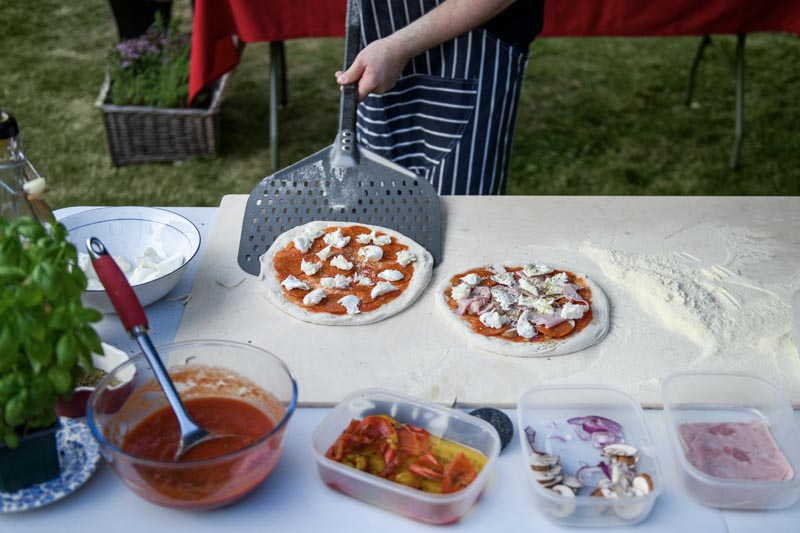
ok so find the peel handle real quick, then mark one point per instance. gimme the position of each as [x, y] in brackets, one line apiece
[119, 290]
[344, 153]
[796, 319]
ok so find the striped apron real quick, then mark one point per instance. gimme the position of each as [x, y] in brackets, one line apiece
[450, 117]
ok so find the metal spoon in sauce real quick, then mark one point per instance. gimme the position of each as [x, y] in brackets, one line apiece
[130, 312]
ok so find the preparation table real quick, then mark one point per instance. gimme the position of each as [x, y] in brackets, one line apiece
[685, 277]
[294, 499]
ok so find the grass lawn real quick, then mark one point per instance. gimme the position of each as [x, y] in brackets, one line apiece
[597, 116]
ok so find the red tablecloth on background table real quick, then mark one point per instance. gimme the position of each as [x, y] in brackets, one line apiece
[643, 18]
[215, 21]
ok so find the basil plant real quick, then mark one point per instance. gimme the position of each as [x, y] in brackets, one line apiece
[46, 337]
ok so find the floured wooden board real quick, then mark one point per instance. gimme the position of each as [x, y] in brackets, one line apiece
[694, 283]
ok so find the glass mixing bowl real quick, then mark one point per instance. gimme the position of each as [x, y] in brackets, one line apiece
[129, 394]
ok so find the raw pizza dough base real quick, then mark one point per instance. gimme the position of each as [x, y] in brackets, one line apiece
[588, 336]
[423, 268]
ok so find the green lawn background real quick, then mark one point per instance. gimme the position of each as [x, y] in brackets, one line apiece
[599, 116]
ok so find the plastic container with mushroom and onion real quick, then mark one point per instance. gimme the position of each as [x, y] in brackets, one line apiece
[588, 455]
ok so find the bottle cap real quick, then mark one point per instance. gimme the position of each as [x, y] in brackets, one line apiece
[8, 126]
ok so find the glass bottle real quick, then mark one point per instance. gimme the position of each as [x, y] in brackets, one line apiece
[21, 187]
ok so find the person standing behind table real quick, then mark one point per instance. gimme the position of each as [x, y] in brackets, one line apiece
[439, 83]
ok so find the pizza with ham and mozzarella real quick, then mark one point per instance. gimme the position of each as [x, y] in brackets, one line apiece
[339, 273]
[525, 310]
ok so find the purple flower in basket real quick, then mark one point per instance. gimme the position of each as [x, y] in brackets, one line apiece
[151, 69]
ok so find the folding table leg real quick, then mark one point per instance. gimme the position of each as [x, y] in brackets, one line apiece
[705, 41]
[737, 65]
[284, 92]
[276, 77]
[739, 127]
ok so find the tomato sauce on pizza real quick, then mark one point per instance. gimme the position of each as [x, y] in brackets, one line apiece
[513, 295]
[358, 272]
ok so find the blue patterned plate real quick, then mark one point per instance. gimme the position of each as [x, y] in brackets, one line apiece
[79, 454]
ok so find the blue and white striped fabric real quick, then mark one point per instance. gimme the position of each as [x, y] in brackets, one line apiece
[451, 115]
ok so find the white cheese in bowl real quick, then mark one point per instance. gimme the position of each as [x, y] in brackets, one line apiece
[146, 267]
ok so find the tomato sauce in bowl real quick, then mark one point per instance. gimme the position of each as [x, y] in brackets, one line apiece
[157, 436]
[227, 387]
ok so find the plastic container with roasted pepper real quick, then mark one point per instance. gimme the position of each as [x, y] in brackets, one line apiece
[422, 460]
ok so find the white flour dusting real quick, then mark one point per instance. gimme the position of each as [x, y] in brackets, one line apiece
[735, 321]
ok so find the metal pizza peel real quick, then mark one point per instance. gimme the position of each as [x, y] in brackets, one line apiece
[344, 183]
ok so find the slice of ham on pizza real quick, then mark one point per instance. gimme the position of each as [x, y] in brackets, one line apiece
[525, 309]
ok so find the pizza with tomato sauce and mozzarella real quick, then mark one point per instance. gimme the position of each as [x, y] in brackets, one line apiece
[339, 273]
[525, 310]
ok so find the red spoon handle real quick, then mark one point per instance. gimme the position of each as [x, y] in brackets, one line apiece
[119, 291]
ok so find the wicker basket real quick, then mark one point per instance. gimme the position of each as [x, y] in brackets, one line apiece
[140, 134]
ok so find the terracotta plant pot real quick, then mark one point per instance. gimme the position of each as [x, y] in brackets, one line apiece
[35, 460]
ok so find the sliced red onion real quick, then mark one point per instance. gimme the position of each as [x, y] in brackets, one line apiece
[558, 436]
[600, 423]
[601, 439]
[530, 435]
[591, 476]
[577, 424]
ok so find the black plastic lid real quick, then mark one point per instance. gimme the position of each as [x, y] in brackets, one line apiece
[8, 126]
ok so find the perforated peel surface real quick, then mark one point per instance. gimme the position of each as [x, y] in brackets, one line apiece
[374, 192]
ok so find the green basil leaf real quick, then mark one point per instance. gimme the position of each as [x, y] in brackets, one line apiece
[31, 327]
[11, 439]
[8, 386]
[10, 274]
[89, 338]
[31, 230]
[14, 412]
[60, 378]
[67, 351]
[59, 319]
[10, 251]
[8, 341]
[38, 353]
[40, 391]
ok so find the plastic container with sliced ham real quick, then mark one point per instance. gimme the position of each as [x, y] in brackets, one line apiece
[734, 439]
[574, 425]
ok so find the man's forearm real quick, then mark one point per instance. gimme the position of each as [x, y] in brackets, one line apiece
[449, 19]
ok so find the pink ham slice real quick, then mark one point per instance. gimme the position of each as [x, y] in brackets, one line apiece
[547, 321]
[570, 292]
[478, 303]
[735, 450]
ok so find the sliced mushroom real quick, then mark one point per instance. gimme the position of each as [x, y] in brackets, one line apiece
[630, 511]
[547, 483]
[621, 474]
[540, 461]
[642, 485]
[624, 453]
[563, 510]
[563, 490]
[547, 475]
[572, 482]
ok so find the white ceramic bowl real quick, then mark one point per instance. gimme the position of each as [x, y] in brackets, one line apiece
[128, 232]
